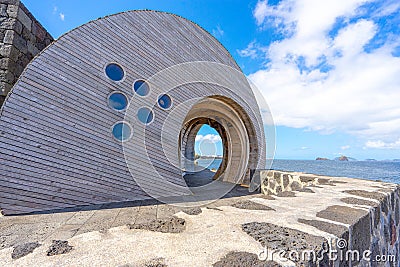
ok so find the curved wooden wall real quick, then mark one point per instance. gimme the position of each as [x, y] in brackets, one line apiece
[56, 145]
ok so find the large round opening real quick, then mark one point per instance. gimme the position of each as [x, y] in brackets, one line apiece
[239, 140]
[204, 151]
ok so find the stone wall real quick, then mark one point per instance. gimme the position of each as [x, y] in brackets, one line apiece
[364, 215]
[22, 37]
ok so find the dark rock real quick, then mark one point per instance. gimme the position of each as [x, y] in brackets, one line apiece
[250, 205]
[362, 193]
[357, 201]
[278, 189]
[59, 247]
[307, 190]
[243, 259]
[281, 238]
[192, 211]
[337, 230]
[342, 214]
[296, 186]
[307, 179]
[321, 158]
[24, 249]
[157, 262]
[286, 194]
[285, 180]
[324, 181]
[269, 197]
[214, 208]
[168, 225]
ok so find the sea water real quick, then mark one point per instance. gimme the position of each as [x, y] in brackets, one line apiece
[386, 171]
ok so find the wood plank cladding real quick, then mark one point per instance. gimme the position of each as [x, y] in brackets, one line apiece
[56, 141]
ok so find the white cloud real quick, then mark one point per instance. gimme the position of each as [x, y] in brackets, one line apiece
[253, 50]
[62, 16]
[345, 147]
[55, 9]
[209, 138]
[383, 145]
[260, 12]
[356, 91]
[218, 32]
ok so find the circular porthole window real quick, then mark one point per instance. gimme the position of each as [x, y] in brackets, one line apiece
[145, 115]
[141, 87]
[122, 131]
[115, 72]
[164, 101]
[117, 101]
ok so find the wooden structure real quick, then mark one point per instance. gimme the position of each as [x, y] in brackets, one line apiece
[71, 129]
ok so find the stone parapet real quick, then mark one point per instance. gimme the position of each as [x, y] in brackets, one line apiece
[363, 215]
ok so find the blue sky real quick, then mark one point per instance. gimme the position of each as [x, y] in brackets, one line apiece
[329, 70]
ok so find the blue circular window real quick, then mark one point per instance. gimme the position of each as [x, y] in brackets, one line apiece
[122, 131]
[117, 101]
[145, 115]
[165, 101]
[114, 72]
[141, 88]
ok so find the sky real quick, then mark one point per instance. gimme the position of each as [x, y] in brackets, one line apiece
[329, 70]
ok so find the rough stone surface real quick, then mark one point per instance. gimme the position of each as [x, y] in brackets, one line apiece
[277, 238]
[24, 249]
[250, 205]
[306, 190]
[335, 229]
[192, 211]
[157, 262]
[169, 225]
[243, 259]
[342, 214]
[366, 194]
[286, 194]
[357, 201]
[59, 247]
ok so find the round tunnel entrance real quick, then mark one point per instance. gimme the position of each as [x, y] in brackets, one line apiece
[199, 161]
[236, 135]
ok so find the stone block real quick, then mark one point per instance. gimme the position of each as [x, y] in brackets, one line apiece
[12, 11]
[11, 2]
[3, 10]
[20, 43]
[24, 19]
[5, 50]
[5, 88]
[27, 35]
[6, 76]
[9, 37]
[8, 24]
[4, 62]
[32, 48]
[14, 53]
[38, 31]
[18, 27]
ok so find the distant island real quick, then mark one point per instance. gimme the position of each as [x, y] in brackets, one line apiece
[341, 158]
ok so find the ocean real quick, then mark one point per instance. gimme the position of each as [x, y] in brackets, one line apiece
[372, 170]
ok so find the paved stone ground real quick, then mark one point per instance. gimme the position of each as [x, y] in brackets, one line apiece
[64, 224]
[218, 234]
